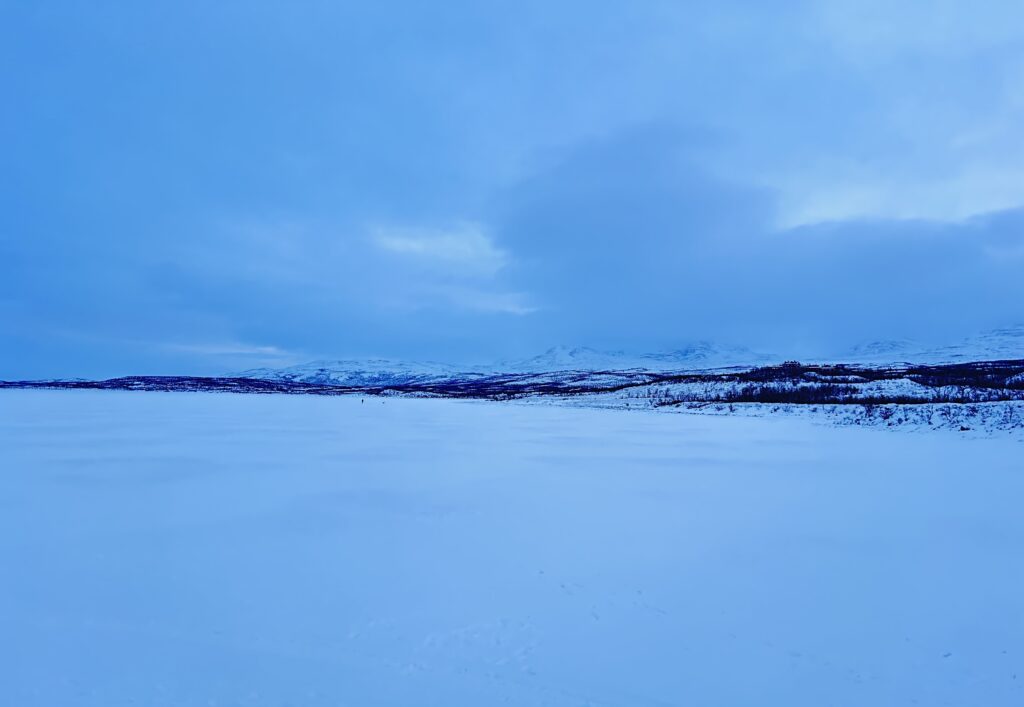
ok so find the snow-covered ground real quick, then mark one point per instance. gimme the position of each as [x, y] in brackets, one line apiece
[978, 420]
[174, 549]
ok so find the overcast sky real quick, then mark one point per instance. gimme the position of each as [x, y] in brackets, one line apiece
[201, 187]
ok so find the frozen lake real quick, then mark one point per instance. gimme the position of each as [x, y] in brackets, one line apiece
[197, 549]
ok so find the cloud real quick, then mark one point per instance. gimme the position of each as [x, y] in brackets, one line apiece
[630, 239]
[484, 301]
[228, 349]
[864, 109]
[973, 192]
[464, 249]
[661, 172]
[873, 31]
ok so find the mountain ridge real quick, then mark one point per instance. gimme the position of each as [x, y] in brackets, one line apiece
[1005, 343]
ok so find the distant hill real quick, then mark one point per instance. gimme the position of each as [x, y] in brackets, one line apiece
[364, 372]
[696, 356]
[1004, 344]
[1000, 344]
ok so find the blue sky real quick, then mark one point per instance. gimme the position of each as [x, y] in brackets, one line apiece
[201, 187]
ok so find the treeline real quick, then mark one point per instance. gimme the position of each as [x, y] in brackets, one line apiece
[981, 374]
[829, 394]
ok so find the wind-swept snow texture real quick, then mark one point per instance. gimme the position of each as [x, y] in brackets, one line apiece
[186, 550]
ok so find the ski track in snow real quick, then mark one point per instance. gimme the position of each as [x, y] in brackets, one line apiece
[185, 549]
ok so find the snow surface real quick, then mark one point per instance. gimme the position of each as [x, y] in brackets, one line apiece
[183, 549]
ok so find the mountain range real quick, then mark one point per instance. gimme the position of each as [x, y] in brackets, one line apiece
[1006, 343]
[697, 356]
[999, 344]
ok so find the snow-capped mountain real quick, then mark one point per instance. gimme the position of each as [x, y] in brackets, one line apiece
[356, 372]
[884, 351]
[700, 355]
[697, 356]
[1002, 344]
[564, 358]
